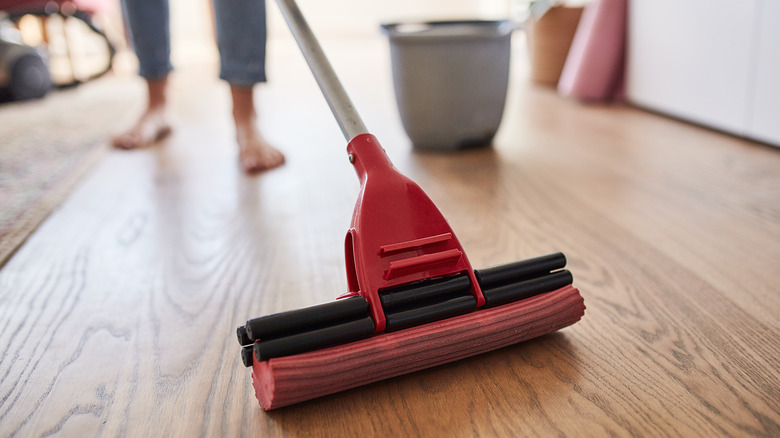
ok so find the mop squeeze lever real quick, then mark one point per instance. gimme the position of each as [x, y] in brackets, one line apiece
[413, 301]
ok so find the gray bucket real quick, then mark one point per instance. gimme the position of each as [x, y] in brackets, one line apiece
[450, 80]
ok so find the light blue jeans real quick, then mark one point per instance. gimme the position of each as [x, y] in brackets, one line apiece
[241, 38]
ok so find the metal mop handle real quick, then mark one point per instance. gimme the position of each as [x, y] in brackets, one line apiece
[347, 117]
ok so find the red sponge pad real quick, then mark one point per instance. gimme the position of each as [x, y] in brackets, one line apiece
[292, 379]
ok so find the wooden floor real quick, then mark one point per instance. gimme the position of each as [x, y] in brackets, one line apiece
[117, 317]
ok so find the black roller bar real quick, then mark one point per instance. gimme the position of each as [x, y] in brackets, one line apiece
[519, 271]
[315, 339]
[308, 318]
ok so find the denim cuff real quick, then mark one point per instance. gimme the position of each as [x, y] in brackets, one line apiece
[245, 75]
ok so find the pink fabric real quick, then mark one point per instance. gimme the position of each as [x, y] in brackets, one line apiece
[595, 63]
[95, 6]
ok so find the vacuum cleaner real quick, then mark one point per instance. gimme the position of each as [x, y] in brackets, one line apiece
[413, 300]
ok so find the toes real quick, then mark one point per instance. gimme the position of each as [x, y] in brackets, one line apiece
[125, 141]
[251, 165]
[254, 161]
[275, 159]
[138, 138]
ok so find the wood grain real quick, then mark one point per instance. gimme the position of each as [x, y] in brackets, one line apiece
[117, 317]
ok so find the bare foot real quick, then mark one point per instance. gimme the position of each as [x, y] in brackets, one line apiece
[254, 153]
[153, 124]
[151, 127]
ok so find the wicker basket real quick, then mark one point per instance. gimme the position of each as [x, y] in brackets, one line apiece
[549, 39]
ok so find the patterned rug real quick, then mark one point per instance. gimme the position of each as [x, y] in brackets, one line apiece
[47, 145]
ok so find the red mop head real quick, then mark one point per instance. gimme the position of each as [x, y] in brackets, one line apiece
[414, 300]
[292, 379]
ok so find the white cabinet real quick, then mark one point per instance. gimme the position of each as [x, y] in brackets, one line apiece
[764, 119]
[714, 62]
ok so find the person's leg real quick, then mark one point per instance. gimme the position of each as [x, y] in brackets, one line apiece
[241, 39]
[149, 28]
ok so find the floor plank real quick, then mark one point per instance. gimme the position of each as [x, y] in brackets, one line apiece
[117, 316]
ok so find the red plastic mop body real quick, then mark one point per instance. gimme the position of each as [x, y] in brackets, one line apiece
[397, 234]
